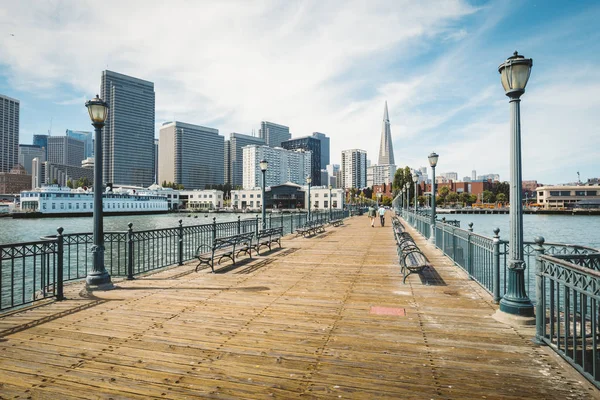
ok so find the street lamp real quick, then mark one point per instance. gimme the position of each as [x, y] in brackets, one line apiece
[330, 201]
[263, 167]
[407, 186]
[415, 180]
[433, 159]
[98, 276]
[514, 73]
[308, 180]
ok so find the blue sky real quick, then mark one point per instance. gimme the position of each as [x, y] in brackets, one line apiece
[327, 67]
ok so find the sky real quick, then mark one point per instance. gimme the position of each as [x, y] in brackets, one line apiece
[327, 66]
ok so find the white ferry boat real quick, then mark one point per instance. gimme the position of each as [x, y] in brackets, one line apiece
[57, 201]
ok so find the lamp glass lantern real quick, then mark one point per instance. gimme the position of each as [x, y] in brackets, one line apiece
[415, 178]
[433, 159]
[514, 74]
[97, 109]
[264, 164]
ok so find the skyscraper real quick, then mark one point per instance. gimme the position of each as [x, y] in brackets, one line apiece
[312, 144]
[273, 134]
[9, 133]
[190, 155]
[41, 141]
[324, 148]
[128, 136]
[235, 156]
[284, 166]
[65, 150]
[87, 138]
[27, 152]
[354, 169]
[386, 150]
[156, 161]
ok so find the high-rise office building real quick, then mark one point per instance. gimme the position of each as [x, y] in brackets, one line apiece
[324, 148]
[354, 169]
[41, 141]
[386, 150]
[380, 174]
[333, 170]
[450, 176]
[273, 134]
[9, 133]
[87, 138]
[190, 155]
[156, 161]
[128, 136]
[234, 156]
[474, 175]
[27, 152]
[65, 150]
[284, 166]
[312, 144]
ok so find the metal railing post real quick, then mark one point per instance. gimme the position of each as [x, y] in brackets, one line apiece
[130, 250]
[496, 265]
[180, 242]
[239, 225]
[214, 228]
[291, 223]
[540, 293]
[469, 252]
[257, 225]
[59, 264]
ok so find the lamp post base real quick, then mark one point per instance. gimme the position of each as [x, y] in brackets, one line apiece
[518, 307]
[98, 278]
[512, 319]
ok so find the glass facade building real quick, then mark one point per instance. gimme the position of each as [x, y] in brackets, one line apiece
[87, 138]
[9, 133]
[312, 144]
[274, 134]
[128, 136]
[234, 157]
[325, 160]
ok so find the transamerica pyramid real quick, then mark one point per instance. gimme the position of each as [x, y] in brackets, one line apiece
[386, 151]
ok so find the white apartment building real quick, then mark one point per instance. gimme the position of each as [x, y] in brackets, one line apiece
[247, 199]
[380, 174]
[450, 176]
[201, 200]
[354, 169]
[319, 196]
[284, 166]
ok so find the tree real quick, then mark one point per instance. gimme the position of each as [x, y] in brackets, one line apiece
[443, 193]
[70, 183]
[55, 181]
[472, 199]
[464, 198]
[501, 198]
[452, 197]
[387, 201]
[488, 197]
[421, 199]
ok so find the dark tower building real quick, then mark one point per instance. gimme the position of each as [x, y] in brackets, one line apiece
[312, 144]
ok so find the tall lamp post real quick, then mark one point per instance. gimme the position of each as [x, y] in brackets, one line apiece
[264, 164]
[330, 201]
[407, 186]
[98, 276]
[433, 159]
[415, 180]
[514, 73]
[308, 180]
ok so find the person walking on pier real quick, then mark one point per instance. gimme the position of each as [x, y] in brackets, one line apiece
[382, 215]
[372, 216]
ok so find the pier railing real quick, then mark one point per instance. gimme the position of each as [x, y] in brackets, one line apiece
[36, 270]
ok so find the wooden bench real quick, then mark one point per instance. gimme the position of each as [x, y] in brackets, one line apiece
[224, 247]
[310, 228]
[336, 222]
[268, 237]
[411, 259]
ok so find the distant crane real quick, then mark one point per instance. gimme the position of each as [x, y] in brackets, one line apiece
[50, 128]
[578, 177]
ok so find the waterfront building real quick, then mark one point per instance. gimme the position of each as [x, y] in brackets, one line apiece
[201, 200]
[9, 133]
[65, 150]
[284, 166]
[354, 169]
[325, 147]
[273, 134]
[41, 141]
[386, 149]
[46, 173]
[234, 157]
[312, 144]
[380, 174]
[27, 152]
[15, 181]
[128, 135]
[86, 137]
[320, 200]
[172, 195]
[190, 155]
[243, 199]
[559, 197]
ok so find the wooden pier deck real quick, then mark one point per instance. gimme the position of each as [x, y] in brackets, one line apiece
[325, 317]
